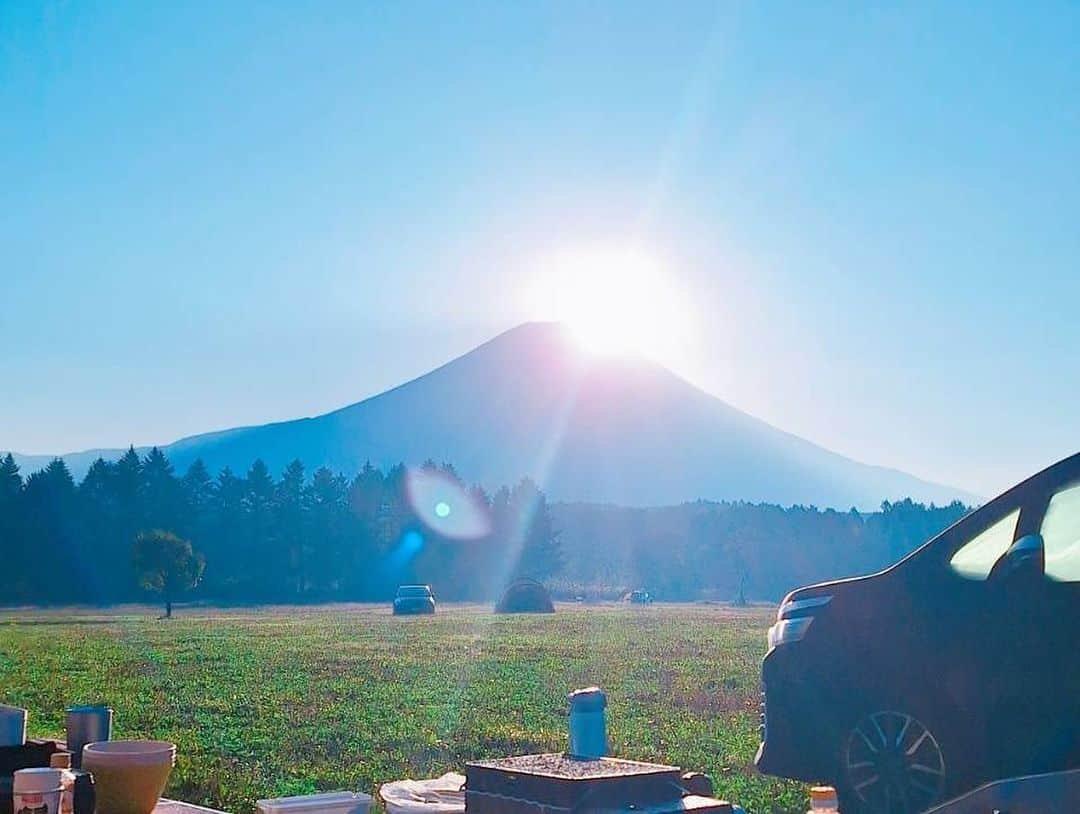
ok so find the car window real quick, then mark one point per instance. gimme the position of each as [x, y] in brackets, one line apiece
[975, 558]
[1061, 535]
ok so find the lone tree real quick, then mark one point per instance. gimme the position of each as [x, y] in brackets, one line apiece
[167, 565]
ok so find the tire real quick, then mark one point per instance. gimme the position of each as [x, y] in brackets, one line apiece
[891, 763]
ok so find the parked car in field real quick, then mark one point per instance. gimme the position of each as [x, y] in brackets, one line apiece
[956, 666]
[414, 599]
[639, 597]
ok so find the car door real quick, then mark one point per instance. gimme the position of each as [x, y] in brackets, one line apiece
[976, 638]
[1050, 647]
[1032, 666]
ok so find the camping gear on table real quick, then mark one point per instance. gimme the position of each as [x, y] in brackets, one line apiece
[12, 725]
[560, 784]
[129, 776]
[88, 723]
[588, 727]
[439, 795]
[32, 754]
[37, 791]
[585, 779]
[335, 802]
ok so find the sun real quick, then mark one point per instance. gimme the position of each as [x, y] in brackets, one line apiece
[615, 301]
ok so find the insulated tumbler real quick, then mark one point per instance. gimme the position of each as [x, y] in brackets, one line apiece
[588, 727]
[86, 724]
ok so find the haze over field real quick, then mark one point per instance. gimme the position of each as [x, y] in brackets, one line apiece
[607, 427]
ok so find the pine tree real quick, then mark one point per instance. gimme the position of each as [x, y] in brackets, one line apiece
[366, 495]
[290, 529]
[329, 512]
[50, 513]
[97, 524]
[126, 512]
[368, 507]
[394, 514]
[10, 481]
[197, 488]
[162, 499]
[229, 566]
[540, 555]
[127, 477]
[257, 543]
[11, 486]
[13, 551]
[195, 498]
[96, 487]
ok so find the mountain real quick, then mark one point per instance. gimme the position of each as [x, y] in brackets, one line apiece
[587, 428]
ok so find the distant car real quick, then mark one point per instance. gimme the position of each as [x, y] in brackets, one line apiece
[414, 599]
[957, 666]
[639, 598]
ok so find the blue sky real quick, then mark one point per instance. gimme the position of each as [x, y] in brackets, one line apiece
[224, 213]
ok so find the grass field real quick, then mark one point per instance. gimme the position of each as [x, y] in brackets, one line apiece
[276, 701]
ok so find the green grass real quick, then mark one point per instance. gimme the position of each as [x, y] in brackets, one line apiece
[271, 702]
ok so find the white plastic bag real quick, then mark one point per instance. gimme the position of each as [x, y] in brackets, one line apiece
[440, 795]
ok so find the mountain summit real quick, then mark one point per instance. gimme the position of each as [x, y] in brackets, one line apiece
[610, 429]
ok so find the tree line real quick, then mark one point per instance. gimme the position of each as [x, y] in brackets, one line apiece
[258, 537]
[323, 536]
[734, 550]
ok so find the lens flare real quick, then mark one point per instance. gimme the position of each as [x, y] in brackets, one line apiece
[445, 506]
[412, 542]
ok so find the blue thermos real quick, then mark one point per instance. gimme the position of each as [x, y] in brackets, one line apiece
[588, 727]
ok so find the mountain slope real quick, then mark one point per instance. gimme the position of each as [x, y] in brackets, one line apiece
[609, 429]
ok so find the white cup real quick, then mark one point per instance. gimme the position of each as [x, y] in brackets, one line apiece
[36, 802]
[37, 791]
[12, 726]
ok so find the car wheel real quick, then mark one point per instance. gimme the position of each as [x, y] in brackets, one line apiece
[892, 764]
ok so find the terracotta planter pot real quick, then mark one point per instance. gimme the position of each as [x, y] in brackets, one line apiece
[129, 776]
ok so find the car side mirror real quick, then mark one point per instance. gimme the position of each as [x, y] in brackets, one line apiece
[1025, 556]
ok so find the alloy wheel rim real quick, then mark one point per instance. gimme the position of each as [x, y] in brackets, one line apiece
[894, 764]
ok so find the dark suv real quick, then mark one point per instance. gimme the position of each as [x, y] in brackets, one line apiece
[959, 664]
[414, 599]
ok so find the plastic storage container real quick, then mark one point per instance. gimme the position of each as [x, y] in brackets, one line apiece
[335, 802]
